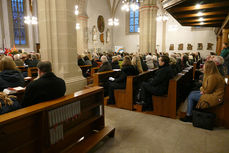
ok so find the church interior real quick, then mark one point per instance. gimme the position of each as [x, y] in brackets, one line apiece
[114, 76]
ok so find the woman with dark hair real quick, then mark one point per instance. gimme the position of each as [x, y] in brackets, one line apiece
[211, 93]
[120, 83]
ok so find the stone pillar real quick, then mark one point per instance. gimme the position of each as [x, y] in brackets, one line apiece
[148, 14]
[164, 36]
[58, 40]
[82, 33]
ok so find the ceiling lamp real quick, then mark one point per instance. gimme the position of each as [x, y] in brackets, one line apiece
[77, 26]
[201, 19]
[113, 22]
[200, 14]
[162, 18]
[197, 6]
[76, 10]
[201, 23]
[130, 4]
[30, 20]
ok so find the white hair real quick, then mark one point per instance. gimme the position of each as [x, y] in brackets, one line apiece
[104, 59]
[17, 57]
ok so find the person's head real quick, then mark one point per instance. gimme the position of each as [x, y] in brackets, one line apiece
[126, 61]
[86, 58]
[163, 61]
[96, 58]
[172, 61]
[136, 61]
[210, 68]
[7, 63]
[104, 59]
[149, 58]
[225, 45]
[17, 57]
[44, 67]
[218, 60]
[33, 56]
[114, 59]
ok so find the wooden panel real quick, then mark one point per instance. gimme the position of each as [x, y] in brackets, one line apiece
[204, 19]
[223, 12]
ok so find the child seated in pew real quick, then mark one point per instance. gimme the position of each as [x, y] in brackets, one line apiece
[211, 92]
[8, 103]
[120, 83]
[158, 85]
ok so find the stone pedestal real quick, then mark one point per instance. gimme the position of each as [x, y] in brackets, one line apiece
[148, 14]
[58, 40]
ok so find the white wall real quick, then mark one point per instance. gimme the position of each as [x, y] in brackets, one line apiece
[190, 35]
[1, 34]
[130, 42]
[94, 9]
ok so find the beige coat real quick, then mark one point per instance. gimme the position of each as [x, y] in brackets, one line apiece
[213, 90]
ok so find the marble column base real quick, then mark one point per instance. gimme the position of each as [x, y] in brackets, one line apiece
[74, 84]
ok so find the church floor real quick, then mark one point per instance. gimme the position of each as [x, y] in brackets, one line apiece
[143, 133]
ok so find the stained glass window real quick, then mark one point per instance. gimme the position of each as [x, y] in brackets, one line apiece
[134, 21]
[18, 22]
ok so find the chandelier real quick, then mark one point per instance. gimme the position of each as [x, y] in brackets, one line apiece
[113, 22]
[130, 4]
[77, 13]
[162, 17]
[30, 20]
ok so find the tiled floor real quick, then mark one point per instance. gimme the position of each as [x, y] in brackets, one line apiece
[143, 133]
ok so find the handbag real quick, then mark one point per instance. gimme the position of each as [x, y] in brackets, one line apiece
[204, 120]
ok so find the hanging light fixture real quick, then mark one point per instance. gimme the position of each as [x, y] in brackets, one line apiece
[113, 22]
[163, 17]
[76, 10]
[77, 26]
[130, 4]
[30, 20]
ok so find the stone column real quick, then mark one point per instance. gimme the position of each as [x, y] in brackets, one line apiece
[164, 36]
[58, 40]
[148, 14]
[82, 33]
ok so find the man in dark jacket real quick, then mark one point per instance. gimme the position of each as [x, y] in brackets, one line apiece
[47, 87]
[158, 85]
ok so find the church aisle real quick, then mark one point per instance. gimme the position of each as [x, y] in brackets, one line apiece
[143, 133]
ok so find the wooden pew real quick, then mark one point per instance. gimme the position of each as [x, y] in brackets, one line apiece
[73, 123]
[124, 97]
[167, 105]
[22, 68]
[32, 72]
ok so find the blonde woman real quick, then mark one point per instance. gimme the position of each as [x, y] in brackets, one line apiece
[8, 103]
[211, 93]
[136, 61]
[9, 75]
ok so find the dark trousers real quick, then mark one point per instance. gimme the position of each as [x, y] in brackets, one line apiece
[112, 87]
[147, 90]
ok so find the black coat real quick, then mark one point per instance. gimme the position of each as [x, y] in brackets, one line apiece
[81, 62]
[105, 67]
[144, 66]
[11, 78]
[129, 70]
[47, 87]
[160, 81]
[115, 65]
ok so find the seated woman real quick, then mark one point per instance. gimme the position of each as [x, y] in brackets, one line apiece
[219, 61]
[120, 83]
[115, 63]
[34, 61]
[211, 93]
[137, 63]
[18, 61]
[95, 62]
[87, 60]
[8, 103]
[106, 66]
[9, 75]
[158, 85]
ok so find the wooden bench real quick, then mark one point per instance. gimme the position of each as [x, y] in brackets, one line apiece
[32, 72]
[73, 123]
[124, 98]
[22, 68]
[167, 105]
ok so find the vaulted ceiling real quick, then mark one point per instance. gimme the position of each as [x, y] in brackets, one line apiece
[204, 13]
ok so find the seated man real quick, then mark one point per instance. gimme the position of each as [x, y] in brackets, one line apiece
[158, 85]
[47, 87]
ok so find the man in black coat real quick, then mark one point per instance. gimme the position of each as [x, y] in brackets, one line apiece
[158, 85]
[47, 87]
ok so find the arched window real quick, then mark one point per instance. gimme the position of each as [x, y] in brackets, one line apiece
[18, 22]
[134, 21]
